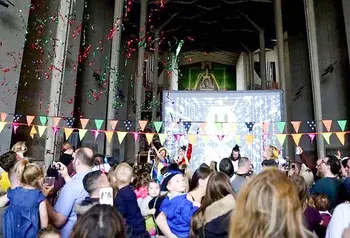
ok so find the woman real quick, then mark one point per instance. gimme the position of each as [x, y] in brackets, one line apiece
[159, 162]
[20, 148]
[199, 183]
[184, 157]
[186, 170]
[213, 217]
[270, 155]
[268, 206]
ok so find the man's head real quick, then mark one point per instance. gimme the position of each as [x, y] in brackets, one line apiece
[83, 159]
[330, 166]
[345, 167]
[8, 160]
[93, 181]
[235, 152]
[226, 167]
[244, 165]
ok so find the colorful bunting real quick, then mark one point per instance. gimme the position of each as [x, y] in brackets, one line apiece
[187, 125]
[3, 116]
[342, 124]
[113, 124]
[96, 133]
[221, 137]
[250, 126]
[68, 132]
[341, 137]
[296, 138]
[16, 117]
[84, 122]
[82, 133]
[218, 126]
[136, 136]
[55, 130]
[296, 125]
[265, 126]
[32, 132]
[70, 122]
[30, 121]
[149, 137]
[162, 138]
[177, 137]
[312, 124]
[327, 136]
[203, 127]
[158, 125]
[56, 120]
[249, 139]
[2, 125]
[143, 125]
[109, 135]
[234, 127]
[41, 130]
[15, 126]
[205, 139]
[312, 137]
[192, 139]
[281, 138]
[98, 123]
[127, 124]
[327, 124]
[121, 135]
[43, 120]
[281, 125]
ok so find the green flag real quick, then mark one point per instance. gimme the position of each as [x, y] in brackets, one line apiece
[43, 120]
[158, 125]
[98, 123]
[342, 124]
[281, 125]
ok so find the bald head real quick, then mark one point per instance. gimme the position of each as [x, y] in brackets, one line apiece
[85, 155]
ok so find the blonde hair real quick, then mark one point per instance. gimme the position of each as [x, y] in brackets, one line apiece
[270, 200]
[29, 173]
[187, 174]
[66, 146]
[18, 147]
[274, 151]
[307, 174]
[123, 174]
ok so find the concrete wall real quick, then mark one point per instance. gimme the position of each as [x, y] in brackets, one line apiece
[242, 71]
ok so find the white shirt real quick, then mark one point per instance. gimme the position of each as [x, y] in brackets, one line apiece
[339, 222]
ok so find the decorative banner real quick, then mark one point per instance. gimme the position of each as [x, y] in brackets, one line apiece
[98, 123]
[249, 139]
[342, 124]
[281, 138]
[187, 125]
[238, 140]
[205, 138]
[296, 125]
[143, 124]
[312, 137]
[250, 126]
[3, 116]
[177, 137]
[32, 132]
[296, 138]
[84, 122]
[41, 130]
[158, 125]
[327, 124]
[56, 120]
[2, 125]
[121, 135]
[109, 135]
[162, 138]
[265, 126]
[127, 124]
[82, 133]
[96, 133]
[149, 137]
[341, 137]
[30, 121]
[234, 126]
[55, 130]
[43, 120]
[113, 124]
[16, 117]
[281, 125]
[327, 136]
[15, 126]
[203, 127]
[68, 132]
[136, 136]
[312, 124]
[192, 139]
[70, 122]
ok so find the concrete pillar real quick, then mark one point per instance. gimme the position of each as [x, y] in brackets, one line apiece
[315, 74]
[155, 75]
[114, 73]
[57, 76]
[140, 66]
[262, 59]
[13, 25]
[251, 71]
[346, 10]
[174, 77]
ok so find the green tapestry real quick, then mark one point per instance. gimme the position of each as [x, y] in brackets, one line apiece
[220, 77]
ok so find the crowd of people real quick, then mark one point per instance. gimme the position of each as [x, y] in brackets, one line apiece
[299, 198]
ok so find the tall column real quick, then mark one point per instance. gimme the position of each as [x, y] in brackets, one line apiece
[262, 58]
[315, 74]
[57, 76]
[114, 73]
[251, 71]
[155, 75]
[346, 10]
[140, 64]
[174, 77]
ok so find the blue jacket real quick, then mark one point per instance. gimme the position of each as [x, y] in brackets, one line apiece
[179, 211]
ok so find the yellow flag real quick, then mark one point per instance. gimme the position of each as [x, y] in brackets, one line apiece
[341, 137]
[32, 132]
[82, 133]
[205, 138]
[109, 135]
[281, 138]
[192, 139]
[249, 138]
[149, 137]
[2, 125]
[162, 138]
[41, 130]
[327, 136]
[68, 132]
[296, 138]
[121, 135]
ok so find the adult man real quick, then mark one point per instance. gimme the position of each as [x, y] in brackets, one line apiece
[92, 182]
[330, 185]
[63, 215]
[242, 174]
[235, 156]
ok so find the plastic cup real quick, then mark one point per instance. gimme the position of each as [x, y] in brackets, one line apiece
[49, 180]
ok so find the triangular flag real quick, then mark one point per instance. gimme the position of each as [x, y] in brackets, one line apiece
[342, 124]
[55, 129]
[2, 125]
[158, 125]
[30, 120]
[218, 126]
[121, 135]
[281, 125]
[149, 137]
[143, 124]
[327, 136]
[177, 137]
[341, 137]
[238, 140]
[98, 123]
[82, 133]
[327, 124]
[136, 135]
[281, 138]
[43, 120]
[96, 133]
[32, 132]
[15, 126]
[312, 136]
[312, 124]
[41, 130]
[187, 125]
[265, 126]
[113, 124]
[296, 138]
[192, 139]
[205, 138]
[250, 126]
[249, 139]
[203, 126]
[109, 135]
[234, 126]
[162, 138]
[84, 122]
[296, 125]
[68, 132]
[56, 120]
[3, 116]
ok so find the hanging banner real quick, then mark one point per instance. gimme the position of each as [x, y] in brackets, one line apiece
[98, 123]
[41, 130]
[82, 133]
[341, 137]
[312, 137]
[281, 125]
[143, 125]
[15, 126]
[250, 126]
[205, 138]
[342, 124]
[296, 138]
[2, 125]
[265, 126]
[43, 120]
[96, 133]
[3, 116]
[158, 125]
[327, 136]
[55, 130]
[187, 125]
[281, 138]
[312, 124]
[84, 122]
[192, 139]
[162, 138]
[121, 135]
[203, 127]
[56, 120]
[249, 139]
[136, 136]
[109, 135]
[32, 132]
[149, 137]
[68, 132]
[113, 124]
[30, 120]
[296, 125]
[327, 124]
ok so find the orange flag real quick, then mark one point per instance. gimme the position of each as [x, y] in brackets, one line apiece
[149, 137]
[265, 126]
[56, 120]
[30, 120]
[84, 122]
[68, 132]
[3, 116]
[327, 124]
[249, 138]
[113, 124]
[296, 138]
[296, 125]
[143, 125]
[341, 137]
[109, 135]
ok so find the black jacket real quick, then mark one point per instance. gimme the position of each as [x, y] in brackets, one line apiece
[218, 216]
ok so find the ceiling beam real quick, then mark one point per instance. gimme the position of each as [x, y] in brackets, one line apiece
[245, 1]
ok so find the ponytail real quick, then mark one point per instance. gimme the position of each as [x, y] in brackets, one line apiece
[19, 167]
[29, 173]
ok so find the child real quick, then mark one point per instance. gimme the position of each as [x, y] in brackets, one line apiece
[126, 202]
[153, 191]
[141, 189]
[49, 233]
[177, 208]
[27, 212]
[20, 148]
[322, 204]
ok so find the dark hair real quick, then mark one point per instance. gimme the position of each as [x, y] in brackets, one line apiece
[201, 173]
[219, 186]
[90, 180]
[8, 160]
[321, 202]
[101, 221]
[344, 162]
[84, 157]
[226, 167]
[334, 164]
[142, 180]
[48, 231]
[235, 148]
[242, 161]
[98, 159]
[269, 163]
[301, 186]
